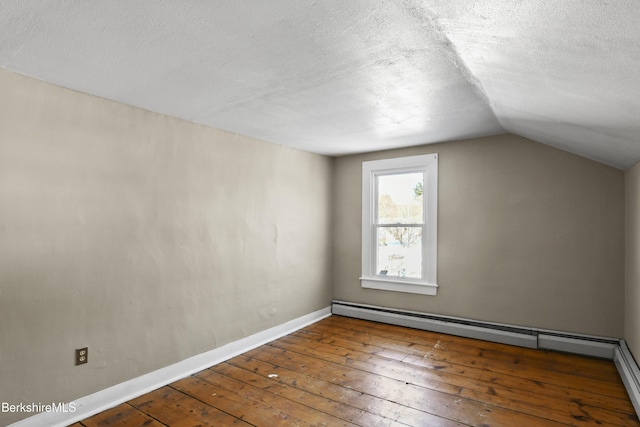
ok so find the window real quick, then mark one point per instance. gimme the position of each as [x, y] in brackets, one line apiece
[399, 224]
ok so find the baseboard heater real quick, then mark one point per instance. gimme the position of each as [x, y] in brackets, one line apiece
[629, 372]
[586, 345]
[488, 331]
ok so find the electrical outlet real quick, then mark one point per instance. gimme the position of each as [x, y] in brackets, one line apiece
[82, 356]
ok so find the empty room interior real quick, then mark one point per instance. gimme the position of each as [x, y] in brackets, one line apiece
[185, 185]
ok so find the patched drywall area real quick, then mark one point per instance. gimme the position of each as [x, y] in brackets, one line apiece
[527, 235]
[632, 265]
[144, 237]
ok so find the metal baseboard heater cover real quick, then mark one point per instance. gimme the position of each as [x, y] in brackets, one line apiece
[629, 372]
[586, 345]
[496, 332]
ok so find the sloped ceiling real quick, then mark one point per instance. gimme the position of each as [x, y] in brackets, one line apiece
[338, 77]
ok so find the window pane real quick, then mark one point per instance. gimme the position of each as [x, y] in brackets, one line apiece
[400, 198]
[399, 252]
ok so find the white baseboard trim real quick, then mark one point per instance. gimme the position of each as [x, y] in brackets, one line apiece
[108, 398]
[629, 372]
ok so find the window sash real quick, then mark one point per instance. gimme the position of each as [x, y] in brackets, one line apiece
[376, 267]
[376, 187]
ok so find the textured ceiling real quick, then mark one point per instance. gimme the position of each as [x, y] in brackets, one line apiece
[338, 77]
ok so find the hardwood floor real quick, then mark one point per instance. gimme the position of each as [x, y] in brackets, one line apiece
[349, 372]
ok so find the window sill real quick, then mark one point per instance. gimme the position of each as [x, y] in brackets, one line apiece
[398, 285]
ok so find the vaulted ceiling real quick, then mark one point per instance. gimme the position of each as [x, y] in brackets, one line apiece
[338, 77]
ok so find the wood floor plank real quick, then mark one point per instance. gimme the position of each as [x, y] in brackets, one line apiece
[448, 404]
[317, 416]
[339, 401]
[443, 354]
[253, 410]
[125, 415]
[512, 367]
[471, 386]
[552, 361]
[350, 372]
[327, 406]
[582, 396]
[320, 387]
[174, 408]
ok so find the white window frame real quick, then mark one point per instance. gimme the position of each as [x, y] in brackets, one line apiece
[428, 164]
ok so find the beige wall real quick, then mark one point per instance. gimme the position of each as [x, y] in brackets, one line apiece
[632, 265]
[527, 235]
[150, 239]
[146, 238]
